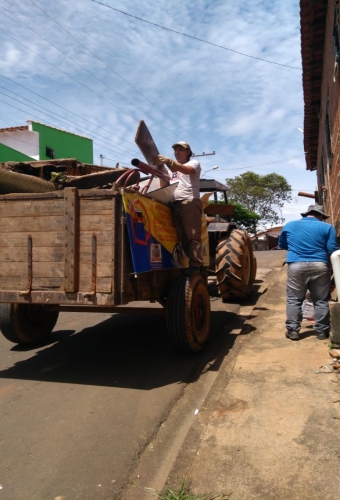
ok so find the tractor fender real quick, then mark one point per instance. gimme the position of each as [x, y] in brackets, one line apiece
[219, 227]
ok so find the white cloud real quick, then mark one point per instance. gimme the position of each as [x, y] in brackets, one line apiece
[245, 109]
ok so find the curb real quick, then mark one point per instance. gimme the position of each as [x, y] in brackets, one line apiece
[172, 450]
[191, 444]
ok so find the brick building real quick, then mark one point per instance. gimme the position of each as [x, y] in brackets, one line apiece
[320, 47]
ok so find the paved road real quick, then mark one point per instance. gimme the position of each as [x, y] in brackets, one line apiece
[77, 411]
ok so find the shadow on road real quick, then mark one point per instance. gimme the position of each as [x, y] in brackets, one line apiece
[130, 351]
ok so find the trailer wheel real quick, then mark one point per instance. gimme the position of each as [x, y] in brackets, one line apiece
[188, 313]
[26, 323]
[235, 265]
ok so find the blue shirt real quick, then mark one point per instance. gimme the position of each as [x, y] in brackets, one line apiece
[308, 240]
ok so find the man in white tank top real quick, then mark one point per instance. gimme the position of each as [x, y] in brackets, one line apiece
[186, 203]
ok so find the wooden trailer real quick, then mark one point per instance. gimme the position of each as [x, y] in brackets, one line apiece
[71, 250]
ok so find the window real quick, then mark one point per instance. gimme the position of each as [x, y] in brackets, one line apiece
[50, 152]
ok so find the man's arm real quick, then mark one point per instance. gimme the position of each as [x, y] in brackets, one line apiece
[173, 165]
[283, 240]
[332, 243]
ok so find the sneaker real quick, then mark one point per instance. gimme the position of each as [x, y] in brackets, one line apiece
[292, 335]
[322, 335]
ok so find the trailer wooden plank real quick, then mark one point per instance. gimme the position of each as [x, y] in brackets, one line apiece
[54, 207]
[49, 269]
[50, 239]
[30, 208]
[40, 254]
[71, 246]
[40, 269]
[18, 284]
[23, 224]
[95, 222]
[60, 297]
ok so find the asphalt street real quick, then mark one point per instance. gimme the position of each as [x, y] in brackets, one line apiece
[78, 411]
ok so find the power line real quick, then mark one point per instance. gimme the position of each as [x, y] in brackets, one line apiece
[59, 118]
[65, 109]
[20, 140]
[85, 69]
[98, 138]
[114, 71]
[195, 38]
[283, 160]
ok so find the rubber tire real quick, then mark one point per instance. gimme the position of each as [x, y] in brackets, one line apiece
[235, 265]
[254, 269]
[26, 323]
[188, 313]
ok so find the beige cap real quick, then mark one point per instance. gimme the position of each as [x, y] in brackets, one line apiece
[184, 144]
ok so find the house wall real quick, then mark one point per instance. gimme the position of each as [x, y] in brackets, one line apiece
[328, 162]
[20, 141]
[9, 154]
[64, 144]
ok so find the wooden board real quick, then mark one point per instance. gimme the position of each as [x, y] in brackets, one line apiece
[149, 149]
[146, 143]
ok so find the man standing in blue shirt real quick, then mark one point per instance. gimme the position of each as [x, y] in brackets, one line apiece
[309, 241]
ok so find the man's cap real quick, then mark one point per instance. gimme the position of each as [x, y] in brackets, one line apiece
[184, 144]
[315, 208]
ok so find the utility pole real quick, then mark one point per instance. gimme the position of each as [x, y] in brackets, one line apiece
[101, 157]
[204, 154]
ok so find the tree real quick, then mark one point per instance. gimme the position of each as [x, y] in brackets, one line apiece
[259, 194]
[243, 218]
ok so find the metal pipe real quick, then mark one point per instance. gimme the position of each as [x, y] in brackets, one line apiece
[335, 259]
[146, 169]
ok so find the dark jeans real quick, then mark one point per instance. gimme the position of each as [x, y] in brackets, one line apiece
[187, 219]
[315, 277]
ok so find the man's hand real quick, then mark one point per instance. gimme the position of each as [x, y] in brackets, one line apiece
[160, 160]
[165, 160]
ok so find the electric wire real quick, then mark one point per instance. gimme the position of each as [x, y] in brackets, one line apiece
[251, 166]
[61, 69]
[61, 119]
[115, 72]
[85, 69]
[195, 38]
[65, 109]
[20, 140]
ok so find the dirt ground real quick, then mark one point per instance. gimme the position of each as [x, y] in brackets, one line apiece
[270, 428]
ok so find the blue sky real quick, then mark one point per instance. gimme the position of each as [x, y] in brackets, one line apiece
[92, 70]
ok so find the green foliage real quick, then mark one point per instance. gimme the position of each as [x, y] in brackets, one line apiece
[184, 493]
[244, 219]
[259, 194]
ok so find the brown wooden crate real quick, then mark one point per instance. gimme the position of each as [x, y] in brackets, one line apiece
[31, 224]
[13, 283]
[57, 284]
[39, 254]
[51, 238]
[32, 208]
[95, 222]
[99, 207]
[19, 239]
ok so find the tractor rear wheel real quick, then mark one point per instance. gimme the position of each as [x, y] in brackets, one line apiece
[188, 313]
[235, 265]
[26, 323]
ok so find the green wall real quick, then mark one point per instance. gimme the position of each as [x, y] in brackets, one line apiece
[9, 154]
[64, 144]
